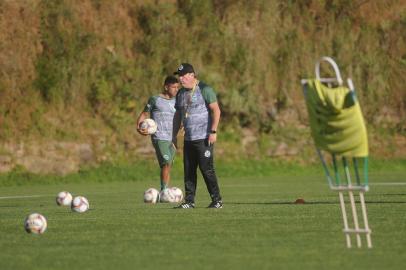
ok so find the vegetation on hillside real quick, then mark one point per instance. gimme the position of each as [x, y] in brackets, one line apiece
[71, 68]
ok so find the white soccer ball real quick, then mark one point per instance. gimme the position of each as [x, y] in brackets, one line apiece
[35, 223]
[150, 125]
[80, 204]
[64, 198]
[177, 193]
[151, 195]
[171, 195]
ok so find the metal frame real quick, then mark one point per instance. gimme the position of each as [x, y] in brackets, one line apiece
[346, 187]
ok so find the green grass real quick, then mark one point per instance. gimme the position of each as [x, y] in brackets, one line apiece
[259, 227]
[147, 170]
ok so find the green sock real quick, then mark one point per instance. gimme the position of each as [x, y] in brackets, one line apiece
[163, 185]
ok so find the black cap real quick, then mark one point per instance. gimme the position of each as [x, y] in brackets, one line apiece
[184, 68]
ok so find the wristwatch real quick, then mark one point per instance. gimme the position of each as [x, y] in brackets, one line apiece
[213, 132]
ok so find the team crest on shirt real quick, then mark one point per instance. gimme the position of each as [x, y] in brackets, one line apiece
[166, 157]
[207, 153]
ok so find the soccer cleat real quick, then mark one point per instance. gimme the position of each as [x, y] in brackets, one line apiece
[215, 204]
[186, 205]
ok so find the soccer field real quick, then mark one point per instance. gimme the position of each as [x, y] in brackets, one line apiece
[258, 228]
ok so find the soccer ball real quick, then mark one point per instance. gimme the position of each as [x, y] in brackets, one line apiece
[171, 195]
[80, 204]
[64, 198]
[151, 195]
[150, 125]
[35, 223]
[177, 193]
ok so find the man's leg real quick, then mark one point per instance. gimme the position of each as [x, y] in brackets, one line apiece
[165, 176]
[190, 162]
[206, 165]
[165, 153]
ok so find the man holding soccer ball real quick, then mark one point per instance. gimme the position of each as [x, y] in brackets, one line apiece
[197, 107]
[162, 109]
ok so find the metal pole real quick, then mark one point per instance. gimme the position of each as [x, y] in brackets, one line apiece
[365, 216]
[352, 201]
[345, 219]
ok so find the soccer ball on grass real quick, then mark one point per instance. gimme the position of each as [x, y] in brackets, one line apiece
[171, 195]
[80, 204]
[64, 198]
[177, 193]
[151, 195]
[35, 223]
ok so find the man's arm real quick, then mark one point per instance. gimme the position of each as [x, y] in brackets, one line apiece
[142, 117]
[176, 127]
[215, 119]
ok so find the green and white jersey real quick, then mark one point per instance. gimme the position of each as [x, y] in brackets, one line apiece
[193, 105]
[162, 110]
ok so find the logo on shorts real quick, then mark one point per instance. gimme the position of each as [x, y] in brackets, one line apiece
[207, 153]
[166, 157]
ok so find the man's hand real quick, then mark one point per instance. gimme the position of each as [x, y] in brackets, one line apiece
[212, 138]
[142, 131]
[175, 143]
[141, 118]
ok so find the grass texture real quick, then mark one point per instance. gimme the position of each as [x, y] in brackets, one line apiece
[259, 227]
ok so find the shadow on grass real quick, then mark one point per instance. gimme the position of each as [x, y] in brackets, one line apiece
[314, 202]
[278, 203]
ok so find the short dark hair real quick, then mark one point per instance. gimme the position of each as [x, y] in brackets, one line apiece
[171, 80]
